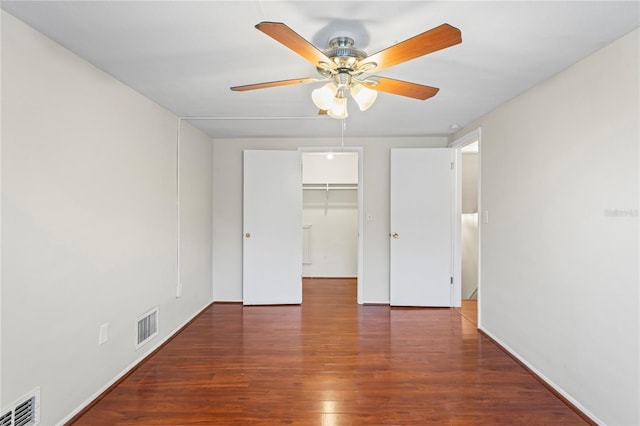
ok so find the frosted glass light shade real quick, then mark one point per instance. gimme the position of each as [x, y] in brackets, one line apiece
[338, 108]
[363, 96]
[323, 96]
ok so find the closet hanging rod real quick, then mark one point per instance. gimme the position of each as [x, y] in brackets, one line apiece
[328, 186]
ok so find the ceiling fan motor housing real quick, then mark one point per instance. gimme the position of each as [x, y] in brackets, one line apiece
[343, 54]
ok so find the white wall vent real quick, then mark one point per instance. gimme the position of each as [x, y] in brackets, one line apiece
[146, 327]
[24, 412]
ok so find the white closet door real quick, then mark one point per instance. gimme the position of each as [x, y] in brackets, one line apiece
[272, 222]
[421, 227]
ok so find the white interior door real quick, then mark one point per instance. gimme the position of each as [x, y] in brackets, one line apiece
[272, 222]
[421, 227]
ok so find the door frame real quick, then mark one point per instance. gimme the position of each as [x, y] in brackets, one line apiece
[458, 144]
[360, 151]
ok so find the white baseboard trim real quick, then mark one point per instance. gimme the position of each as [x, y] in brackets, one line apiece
[548, 381]
[129, 368]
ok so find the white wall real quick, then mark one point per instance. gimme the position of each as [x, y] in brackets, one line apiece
[89, 222]
[330, 167]
[196, 211]
[227, 216]
[559, 256]
[469, 182]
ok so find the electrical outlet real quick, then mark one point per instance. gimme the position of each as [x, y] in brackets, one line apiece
[104, 333]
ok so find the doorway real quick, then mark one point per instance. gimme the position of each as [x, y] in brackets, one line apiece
[469, 221]
[468, 226]
[332, 215]
[469, 232]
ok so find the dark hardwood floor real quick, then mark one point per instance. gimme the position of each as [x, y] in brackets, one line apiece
[469, 310]
[329, 362]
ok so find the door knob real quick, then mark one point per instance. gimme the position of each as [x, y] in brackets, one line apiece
[394, 235]
[248, 235]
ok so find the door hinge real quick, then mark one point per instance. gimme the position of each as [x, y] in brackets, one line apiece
[452, 165]
[451, 282]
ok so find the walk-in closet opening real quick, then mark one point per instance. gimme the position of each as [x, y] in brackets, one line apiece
[330, 215]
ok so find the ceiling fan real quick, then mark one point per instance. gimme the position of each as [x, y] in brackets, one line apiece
[343, 65]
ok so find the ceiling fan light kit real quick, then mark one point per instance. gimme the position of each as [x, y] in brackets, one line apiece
[342, 65]
[363, 96]
[338, 107]
[323, 96]
[332, 98]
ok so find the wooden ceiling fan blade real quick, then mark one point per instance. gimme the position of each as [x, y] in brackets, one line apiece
[403, 88]
[273, 84]
[429, 41]
[286, 36]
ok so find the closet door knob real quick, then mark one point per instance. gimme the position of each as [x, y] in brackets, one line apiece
[394, 235]
[248, 235]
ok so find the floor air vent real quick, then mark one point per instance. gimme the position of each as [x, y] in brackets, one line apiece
[147, 327]
[6, 419]
[26, 412]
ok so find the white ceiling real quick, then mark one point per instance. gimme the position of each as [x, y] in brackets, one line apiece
[185, 55]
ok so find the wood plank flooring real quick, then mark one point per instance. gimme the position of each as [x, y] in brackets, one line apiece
[469, 310]
[329, 362]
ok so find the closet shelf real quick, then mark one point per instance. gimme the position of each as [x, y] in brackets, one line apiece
[329, 186]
